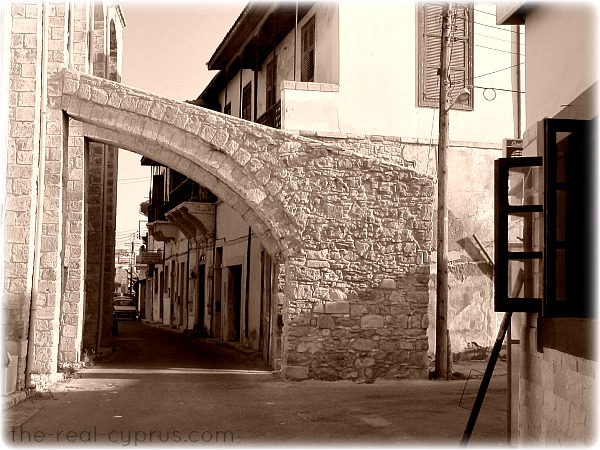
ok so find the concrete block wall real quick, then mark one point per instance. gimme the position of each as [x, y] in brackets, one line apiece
[557, 396]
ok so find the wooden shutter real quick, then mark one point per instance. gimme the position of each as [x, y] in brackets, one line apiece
[271, 85]
[247, 102]
[461, 55]
[308, 51]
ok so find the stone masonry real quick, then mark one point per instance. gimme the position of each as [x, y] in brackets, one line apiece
[47, 203]
[353, 231]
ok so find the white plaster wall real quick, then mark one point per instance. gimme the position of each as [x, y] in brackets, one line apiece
[563, 63]
[232, 234]
[378, 76]
[314, 110]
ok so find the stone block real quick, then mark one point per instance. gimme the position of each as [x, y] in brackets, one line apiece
[388, 284]
[371, 321]
[337, 308]
[295, 372]
[325, 321]
[364, 345]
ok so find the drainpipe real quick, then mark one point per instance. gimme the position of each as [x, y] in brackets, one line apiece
[187, 288]
[71, 32]
[104, 199]
[212, 294]
[241, 97]
[246, 319]
[295, 39]
[517, 111]
[40, 199]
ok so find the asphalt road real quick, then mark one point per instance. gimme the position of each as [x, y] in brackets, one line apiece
[162, 387]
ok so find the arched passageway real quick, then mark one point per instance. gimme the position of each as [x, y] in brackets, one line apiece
[353, 232]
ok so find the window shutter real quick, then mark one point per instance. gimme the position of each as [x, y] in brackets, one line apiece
[271, 85]
[461, 54]
[308, 51]
[247, 102]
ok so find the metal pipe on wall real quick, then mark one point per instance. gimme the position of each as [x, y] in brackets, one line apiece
[41, 180]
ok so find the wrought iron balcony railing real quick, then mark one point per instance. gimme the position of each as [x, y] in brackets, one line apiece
[272, 116]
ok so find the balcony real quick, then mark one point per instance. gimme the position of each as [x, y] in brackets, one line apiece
[272, 117]
[186, 191]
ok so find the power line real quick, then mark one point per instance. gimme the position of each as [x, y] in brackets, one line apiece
[496, 38]
[506, 30]
[499, 50]
[499, 70]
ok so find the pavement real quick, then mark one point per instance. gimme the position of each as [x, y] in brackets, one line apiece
[162, 387]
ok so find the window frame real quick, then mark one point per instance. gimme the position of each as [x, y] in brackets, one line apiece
[247, 101]
[308, 50]
[271, 83]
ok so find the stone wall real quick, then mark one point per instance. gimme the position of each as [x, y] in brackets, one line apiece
[472, 321]
[21, 175]
[348, 225]
[557, 395]
[357, 292]
[45, 221]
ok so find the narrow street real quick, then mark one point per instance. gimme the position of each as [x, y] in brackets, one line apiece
[160, 386]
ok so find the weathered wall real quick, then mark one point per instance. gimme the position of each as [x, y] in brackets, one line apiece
[472, 320]
[352, 229]
[557, 395]
[45, 222]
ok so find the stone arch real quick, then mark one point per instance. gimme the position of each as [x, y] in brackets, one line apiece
[353, 231]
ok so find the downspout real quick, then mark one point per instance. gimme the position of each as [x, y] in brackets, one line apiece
[40, 199]
[71, 33]
[246, 318]
[241, 89]
[187, 288]
[163, 287]
[212, 294]
[104, 200]
[295, 39]
[517, 111]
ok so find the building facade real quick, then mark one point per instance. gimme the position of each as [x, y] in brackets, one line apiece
[546, 239]
[59, 199]
[313, 69]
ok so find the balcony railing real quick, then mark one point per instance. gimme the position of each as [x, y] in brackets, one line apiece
[187, 191]
[272, 116]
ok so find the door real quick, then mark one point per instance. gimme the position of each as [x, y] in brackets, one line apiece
[234, 302]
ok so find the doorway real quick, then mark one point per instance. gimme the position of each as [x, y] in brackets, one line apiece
[234, 302]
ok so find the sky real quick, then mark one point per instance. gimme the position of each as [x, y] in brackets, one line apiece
[165, 49]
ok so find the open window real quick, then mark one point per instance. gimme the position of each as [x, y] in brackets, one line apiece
[544, 217]
[569, 155]
[518, 256]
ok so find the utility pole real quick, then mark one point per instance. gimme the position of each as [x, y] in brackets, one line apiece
[441, 313]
